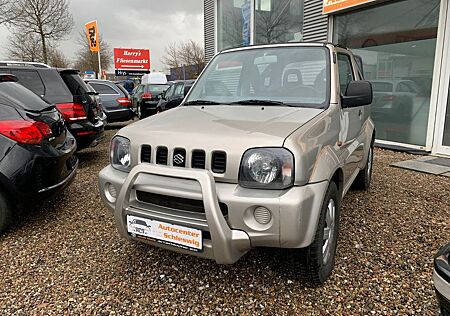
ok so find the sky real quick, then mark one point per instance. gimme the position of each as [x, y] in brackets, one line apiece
[148, 24]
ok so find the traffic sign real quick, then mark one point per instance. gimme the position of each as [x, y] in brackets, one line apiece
[121, 72]
[132, 58]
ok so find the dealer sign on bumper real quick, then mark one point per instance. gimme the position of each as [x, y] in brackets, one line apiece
[175, 235]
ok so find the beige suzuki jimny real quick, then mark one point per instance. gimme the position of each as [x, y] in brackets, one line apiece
[259, 154]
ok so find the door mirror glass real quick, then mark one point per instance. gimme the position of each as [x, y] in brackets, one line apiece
[358, 93]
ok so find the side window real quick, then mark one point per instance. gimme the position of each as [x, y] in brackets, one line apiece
[179, 89]
[345, 71]
[103, 88]
[31, 80]
[139, 89]
[169, 92]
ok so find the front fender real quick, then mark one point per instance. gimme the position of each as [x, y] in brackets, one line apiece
[326, 165]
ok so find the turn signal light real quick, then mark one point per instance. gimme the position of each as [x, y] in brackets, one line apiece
[25, 132]
[72, 111]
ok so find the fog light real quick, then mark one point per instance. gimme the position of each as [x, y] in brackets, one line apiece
[262, 215]
[110, 192]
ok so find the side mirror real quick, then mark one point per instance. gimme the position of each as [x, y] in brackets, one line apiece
[358, 93]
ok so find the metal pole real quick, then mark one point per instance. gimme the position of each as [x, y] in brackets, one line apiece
[99, 76]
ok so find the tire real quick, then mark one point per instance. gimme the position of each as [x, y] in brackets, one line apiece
[5, 212]
[362, 180]
[139, 113]
[314, 264]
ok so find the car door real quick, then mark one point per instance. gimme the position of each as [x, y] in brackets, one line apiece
[178, 96]
[351, 121]
[136, 95]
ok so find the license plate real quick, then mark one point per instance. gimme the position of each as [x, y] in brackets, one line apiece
[165, 233]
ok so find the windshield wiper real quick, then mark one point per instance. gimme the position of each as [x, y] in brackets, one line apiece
[202, 102]
[261, 102]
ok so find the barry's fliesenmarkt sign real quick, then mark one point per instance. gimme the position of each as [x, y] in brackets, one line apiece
[330, 6]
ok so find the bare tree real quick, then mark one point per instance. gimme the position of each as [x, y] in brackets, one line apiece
[24, 47]
[88, 60]
[57, 59]
[187, 59]
[49, 19]
[6, 11]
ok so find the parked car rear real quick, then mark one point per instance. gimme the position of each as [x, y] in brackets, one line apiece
[116, 100]
[65, 89]
[36, 149]
[146, 97]
[173, 96]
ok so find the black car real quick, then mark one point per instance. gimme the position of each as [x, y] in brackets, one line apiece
[116, 100]
[36, 150]
[146, 97]
[174, 95]
[441, 278]
[64, 88]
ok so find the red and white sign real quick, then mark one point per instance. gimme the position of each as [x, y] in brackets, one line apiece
[132, 58]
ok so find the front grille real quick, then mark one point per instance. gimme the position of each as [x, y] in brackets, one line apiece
[219, 162]
[179, 157]
[198, 159]
[146, 153]
[161, 155]
[177, 203]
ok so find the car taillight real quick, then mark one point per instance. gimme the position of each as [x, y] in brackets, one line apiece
[124, 101]
[147, 95]
[25, 132]
[72, 111]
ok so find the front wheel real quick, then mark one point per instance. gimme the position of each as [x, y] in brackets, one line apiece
[315, 263]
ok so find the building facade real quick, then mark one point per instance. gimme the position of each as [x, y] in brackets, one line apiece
[404, 44]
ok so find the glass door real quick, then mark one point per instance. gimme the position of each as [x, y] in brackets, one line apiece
[442, 135]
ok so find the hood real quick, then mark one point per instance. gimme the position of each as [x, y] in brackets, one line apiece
[232, 129]
[267, 126]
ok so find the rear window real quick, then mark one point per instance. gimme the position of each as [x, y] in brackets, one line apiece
[21, 96]
[124, 91]
[54, 85]
[382, 86]
[31, 80]
[74, 82]
[156, 88]
[101, 88]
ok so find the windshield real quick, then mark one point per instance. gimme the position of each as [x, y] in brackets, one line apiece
[294, 76]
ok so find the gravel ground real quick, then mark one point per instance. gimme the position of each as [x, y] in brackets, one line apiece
[66, 258]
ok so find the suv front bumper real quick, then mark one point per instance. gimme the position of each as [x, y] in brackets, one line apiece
[294, 213]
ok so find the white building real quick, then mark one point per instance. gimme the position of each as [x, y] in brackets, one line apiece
[405, 46]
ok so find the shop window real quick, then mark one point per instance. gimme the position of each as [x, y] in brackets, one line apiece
[397, 42]
[278, 21]
[232, 16]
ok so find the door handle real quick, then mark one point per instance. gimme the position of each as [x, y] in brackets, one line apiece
[360, 113]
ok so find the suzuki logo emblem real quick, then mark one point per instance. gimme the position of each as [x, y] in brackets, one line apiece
[178, 159]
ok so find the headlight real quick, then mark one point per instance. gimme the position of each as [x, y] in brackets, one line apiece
[267, 168]
[120, 153]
